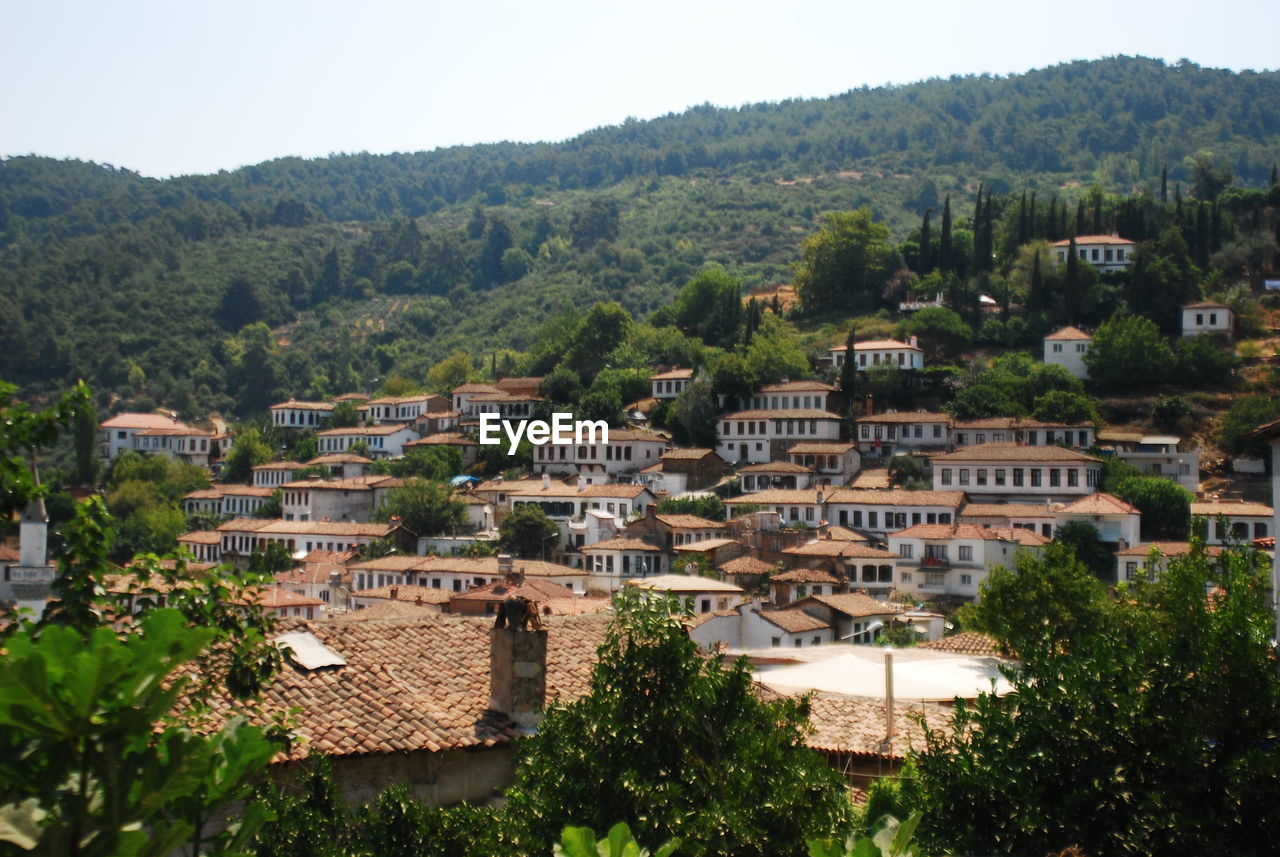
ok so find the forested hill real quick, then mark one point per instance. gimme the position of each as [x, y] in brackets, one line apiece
[364, 265]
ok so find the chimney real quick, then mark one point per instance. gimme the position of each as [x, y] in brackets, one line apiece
[335, 588]
[582, 482]
[546, 481]
[504, 564]
[518, 674]
[914, 342]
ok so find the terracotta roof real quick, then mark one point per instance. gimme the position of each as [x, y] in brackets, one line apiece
[531, 588]
[339, 458]
[793, 621]
[804, 575]
[200, 537]
[141, 421]
[704, 545]
[1014, 423]
[503, 396]
[1026, 537]
[1014, 452]
[485, 565]
[445, 438]
[838, 548]
[1006, 510]
[871, 480]
[844, 534]
[796, 386]
[175, 430]
[672, 375]
[275, 597]
[1213, 508]
[1066, 333]
[746, 565]
[398, 400]
[560, 489]
[8, 554]
[318, 528]
[686, 454]
[407, 594]
[386, 429]
[854, 604]
[474, 388]
[1092, 239]
[1205, 305]
[965, 643]
[296, 405]
[355, 483]
[690, 522]
[896, 497]
[775, 467]
[782, 414]
[820, 448]
[622, 544]
[856, 725]
[278, 465]
[384, 610]
[1101, 504]
[906, 417]
[683, 583]
[777, 497]
[1166, 549]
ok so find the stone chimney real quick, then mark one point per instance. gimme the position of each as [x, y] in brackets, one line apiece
[335, 589]
[582, 482]
[546, 481]
[914, 342]
[518, 674]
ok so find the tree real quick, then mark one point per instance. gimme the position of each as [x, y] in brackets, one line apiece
[1128, 351]
[345, 415]
[425, 507]
[692, 417]
[710, 307]
[1148, 731]
[1246, 414]
[438, 463]
[680, 745]
[605, 326]
[248, 451]
[906, 471]
[526, 531]
[845, 265]
[270, 558]
[1165, 506]
[1210, 174]
[1062, 406]
[1171, 413]
[707, 506]
[1083, 540]
[454, 371]
[775, 352]
[1202, 363]
[23, 432]
[943, 334]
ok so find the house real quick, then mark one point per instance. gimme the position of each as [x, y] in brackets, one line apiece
[437, 422]
[627, 451]
[1208, 317]
[620, 558]
[750, 625]
[853, 617]
[343, 465]
[1271, 434]
[1244, 521]
[382, 441]
[712, 552]
[242, 536]
[704, 593]
[952, 560]
[203, 545]
[567, 504]
[227, 499]
[765, 435]
[180, 442]
[285, 603]
[1117, 522]
[273, 474]
[506, 406]
[842, 558]
[122, 430]
[316, 499]
[487, 600]
[798, 506]
[897, 432]
[686, 470]
[793, 395]
[467, 448]
[1025, 431]
[796, 583]
[1152, 558]
[1038, 517]
[1067, 347]
[402, 409]
[1154, 455]
[463, 393]
[832, 463]
[295, 414]
[746, 571]
[420, 599]
[782, 475]
[883, 511]
[669, 384]
[456, 573]
[994, 471]
[320, 574]
[1107, 253]
[887, 353]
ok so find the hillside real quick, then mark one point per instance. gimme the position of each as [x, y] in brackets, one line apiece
[365, 266]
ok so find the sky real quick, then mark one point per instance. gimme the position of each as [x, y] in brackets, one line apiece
[172, 87]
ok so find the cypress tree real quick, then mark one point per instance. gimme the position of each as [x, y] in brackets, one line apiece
[1031, 217]
[977, 209]
[1023, 232]
[1215, 229]
[1080, 217]
[926, 243]
[1071, 297]
[944, 240]
[1274, 179]
[1051, 226]
[1164, 183]
[988, 235]
[1097, 214]
[849, 373]
[1035, 296]
[1200, 242]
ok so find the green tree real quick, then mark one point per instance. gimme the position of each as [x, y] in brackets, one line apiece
[692, 417]
[906, 471]
[425, 507]
[707, 506]
[248, 451]
[605, 326]
[1246, 414]
[1165, 506]
[455, 370]
[23, 432]
[682, 745]
[562, 387]
[1129, 351]
[847, 263]
[943, 334]
[1148, 731]
[438, 463]
[270, 558]
[710, 307]
[1171, 413]
[1062, 406]
[527, 532]
[1083, 540]
[1202, 363]
[775, 352]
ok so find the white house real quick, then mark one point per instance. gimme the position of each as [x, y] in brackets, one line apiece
[458, 574]
[1066, 347]
[707, 595]
[894, 432]
[273, 474]
[669, 384]
[628, 451]
[1152, 558]
[883, 511]
[765, 435]
[1207, 317]
[832, 463]
[383, 441]
[1154, 455]
[797, 583]
[242, 536]
[1019, 430]
[773, 474]
[881, 352]
[1038, 517]
[335, 499]
[1117, 522]
[622, 558]
[953, 560]
[402, 409]
[155, 434]
[295, 414]
[750, 625]
[799, 506]
[854, 617]
[1105, 252]
[792, 395]
[1009, 471]
[203, 545]
[1244, 522]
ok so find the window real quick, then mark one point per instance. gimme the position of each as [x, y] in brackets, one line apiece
[966, 580]
[1130, 569]
[999, 475]
[962, 438]
[906, 577]
[937, 431]
[966, 553]
[777, 641]
[872, 518]
[799, 642]
[905, 551]
[865, 431]
[946, 476]
[982, 476]
[816, 640]
[964, 475]
[1199, 319]
[980, 437]
[706, 605]
[1035, 477]
[857, 518]
[1073, 478]
[1213, 318]
[1081, 348]
[919, 431]
[1055, 477]
[1120, 254]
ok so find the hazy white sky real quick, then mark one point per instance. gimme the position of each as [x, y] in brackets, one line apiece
[169, 87]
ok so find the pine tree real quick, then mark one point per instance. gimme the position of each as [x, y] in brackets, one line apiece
[1031, 218]
[1036, 296]
[1080, 217]
[1164, 183]
[849, 373]
[1023, 232]
[1097, 213]
[1071, 289]
[926, 244]
[944, 240]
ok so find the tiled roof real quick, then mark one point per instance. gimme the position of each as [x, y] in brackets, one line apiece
[408, 594]
[838, 548]
[686, 454]
[384, 610]
[804, 575]
[1213, 508]
[1092, 239]
[965, 643]
[683, 583]
[474, 388]
[486, 565]
[844, 534]
[782, 414]
[877, 480]
[295, 405]
[622, 544]
[200, 537]
[704, 545]
[746, 565]
[355, 483]
[906, 417]
[672, 375]
[793, 621]
[386, 429]
[339, 458]
[1205, 305]
[531, 588]
[1006, 510]
[306, 528]
[951, 531]
[560, 489]
[1166, 549]
[831, 447]
[896, 497]
[775, 467]
[1100, 504]
[856, 725]
[141, 421]
[8, 554]
[690, 522]
[1014, 452]
[796, 387]
[1066, 333]
[445, 438]
[854, 604]
[777, 497]
[278, 465]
